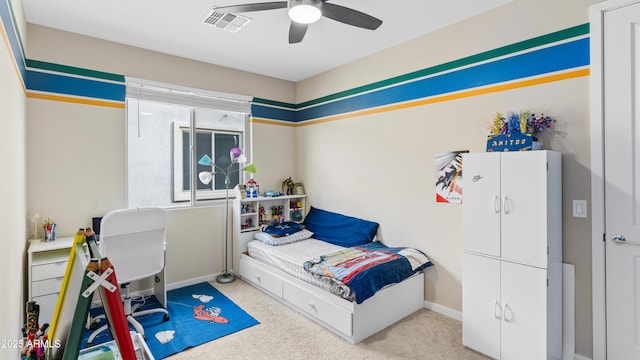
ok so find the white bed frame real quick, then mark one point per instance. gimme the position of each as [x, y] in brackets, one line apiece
[347, 319]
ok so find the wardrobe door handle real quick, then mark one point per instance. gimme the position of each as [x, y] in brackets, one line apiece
[496, 306]
[496, 204]
[505, 205]
[508, 314]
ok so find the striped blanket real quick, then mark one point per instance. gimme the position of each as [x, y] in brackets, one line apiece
[368, 268]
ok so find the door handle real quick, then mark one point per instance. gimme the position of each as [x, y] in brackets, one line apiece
[620, 239]
[496, 204]
[496, 306]
[508, 314]
[505, 205]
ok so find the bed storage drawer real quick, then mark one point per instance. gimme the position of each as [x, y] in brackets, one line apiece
[258, 275]
[319, 308]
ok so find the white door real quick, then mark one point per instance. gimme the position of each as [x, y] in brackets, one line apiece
[524, 207]
[481, 203]
[481, 306]
[622, 180]
[524, 312]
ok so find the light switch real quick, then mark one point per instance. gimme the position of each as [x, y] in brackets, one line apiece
[580, 208]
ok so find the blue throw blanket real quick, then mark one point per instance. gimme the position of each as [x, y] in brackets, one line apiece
[368, 268]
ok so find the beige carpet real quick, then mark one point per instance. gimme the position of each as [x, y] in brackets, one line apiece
[284, 334]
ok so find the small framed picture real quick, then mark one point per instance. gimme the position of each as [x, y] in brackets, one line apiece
[298, 188]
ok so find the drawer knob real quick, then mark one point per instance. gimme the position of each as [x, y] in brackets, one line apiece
[312, 305]
[258, 278]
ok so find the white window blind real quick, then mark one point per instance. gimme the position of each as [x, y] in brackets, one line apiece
[173, 94]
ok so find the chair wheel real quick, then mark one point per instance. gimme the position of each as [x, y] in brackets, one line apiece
[165, 317]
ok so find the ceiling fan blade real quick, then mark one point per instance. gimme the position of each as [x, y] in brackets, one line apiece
[350, 16]
[251, 7]
[296, 32]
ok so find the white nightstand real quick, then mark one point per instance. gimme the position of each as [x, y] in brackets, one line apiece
[47, 263]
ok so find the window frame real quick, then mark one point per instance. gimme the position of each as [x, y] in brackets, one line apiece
[180, 195]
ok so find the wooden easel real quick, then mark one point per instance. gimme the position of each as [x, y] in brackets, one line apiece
[83, 276]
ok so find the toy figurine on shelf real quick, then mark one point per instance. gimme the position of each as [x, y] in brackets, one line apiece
[253, 189]
[277, 215]
[287, 186]
[261, 216]
[247, 224]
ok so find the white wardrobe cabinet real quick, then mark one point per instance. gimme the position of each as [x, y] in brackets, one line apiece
[512, 270]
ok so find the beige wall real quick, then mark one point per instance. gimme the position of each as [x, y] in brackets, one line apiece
[386, 172]
[13, 212]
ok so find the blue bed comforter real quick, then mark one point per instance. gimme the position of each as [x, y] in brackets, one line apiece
[365, 269]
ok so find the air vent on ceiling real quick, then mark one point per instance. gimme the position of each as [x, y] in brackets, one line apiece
[229, 22]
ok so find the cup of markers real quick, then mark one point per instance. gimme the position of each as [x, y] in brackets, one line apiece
[49, 230]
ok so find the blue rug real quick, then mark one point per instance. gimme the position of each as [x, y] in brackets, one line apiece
[198, 314]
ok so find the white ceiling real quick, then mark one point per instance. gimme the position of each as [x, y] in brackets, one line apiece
[175, 27]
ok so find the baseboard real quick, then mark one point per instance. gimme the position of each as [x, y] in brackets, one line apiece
[580, 357]
[177, 285]
[443, 310]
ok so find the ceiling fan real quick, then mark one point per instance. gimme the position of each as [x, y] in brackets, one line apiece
[305, 12]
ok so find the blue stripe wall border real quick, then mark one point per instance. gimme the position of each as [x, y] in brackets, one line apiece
[74, 86]
[563, 50]
[12, 36]
[565, 56]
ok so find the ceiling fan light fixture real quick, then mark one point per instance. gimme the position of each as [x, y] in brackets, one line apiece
[305, 11]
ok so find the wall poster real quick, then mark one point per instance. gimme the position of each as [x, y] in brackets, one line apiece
[448, 176]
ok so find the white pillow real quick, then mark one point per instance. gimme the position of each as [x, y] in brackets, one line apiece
[275, 241]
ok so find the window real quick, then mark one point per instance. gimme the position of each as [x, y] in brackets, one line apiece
[162, 154]
[209, 141]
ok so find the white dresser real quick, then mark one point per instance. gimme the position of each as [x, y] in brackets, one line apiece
[47, 263]
[512, 261]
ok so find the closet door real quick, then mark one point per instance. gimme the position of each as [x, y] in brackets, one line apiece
[481, 199]
[524, 207]
[481, 307]
[524, 312]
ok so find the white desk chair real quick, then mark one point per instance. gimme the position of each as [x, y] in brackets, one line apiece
[134, 242]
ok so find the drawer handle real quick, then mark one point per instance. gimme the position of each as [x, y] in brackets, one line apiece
[258, 278]
[312, 305]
